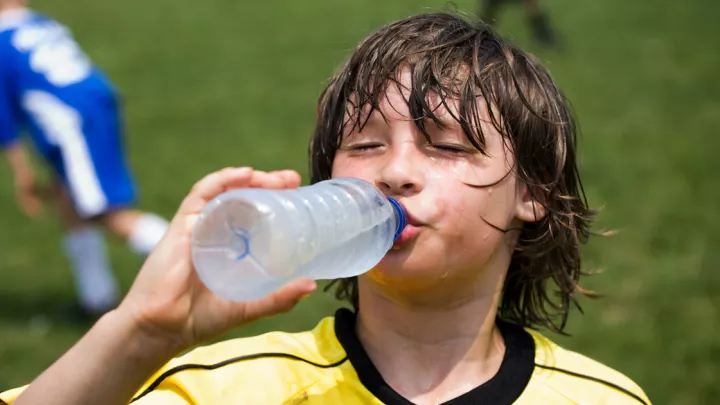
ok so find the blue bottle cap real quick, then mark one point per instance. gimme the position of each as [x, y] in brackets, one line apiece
[400, 217]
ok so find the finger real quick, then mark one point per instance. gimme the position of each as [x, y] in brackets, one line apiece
[271, 180]
[218, 182]
[279, 301]
[279, 179]
[291, 178]
[214, 184]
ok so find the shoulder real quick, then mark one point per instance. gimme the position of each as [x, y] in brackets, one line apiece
[17, 27]
[273, 368]
[14, 19]
[314, 346]
[580, 379]
[241, 368]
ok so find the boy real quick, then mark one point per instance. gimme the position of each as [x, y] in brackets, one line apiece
[475, 140]
[50, 88]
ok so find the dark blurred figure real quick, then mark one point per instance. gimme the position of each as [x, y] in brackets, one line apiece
[538, 20]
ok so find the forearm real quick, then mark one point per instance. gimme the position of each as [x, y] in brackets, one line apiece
[18, 160]
[107, 366]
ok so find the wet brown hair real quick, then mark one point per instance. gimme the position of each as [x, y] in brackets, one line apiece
[453, 58]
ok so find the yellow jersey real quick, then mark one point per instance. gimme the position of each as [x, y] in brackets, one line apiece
[328, 365]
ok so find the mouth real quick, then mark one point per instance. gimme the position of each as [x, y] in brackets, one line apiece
[409, 233]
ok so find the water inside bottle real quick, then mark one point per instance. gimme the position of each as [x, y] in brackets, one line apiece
[250, 242]
[227, 236]
[352, 257]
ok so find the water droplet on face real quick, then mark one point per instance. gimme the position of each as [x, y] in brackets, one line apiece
[434, 174]
[459, 168]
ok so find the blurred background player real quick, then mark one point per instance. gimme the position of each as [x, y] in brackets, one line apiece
[538, 20]
[52, 91]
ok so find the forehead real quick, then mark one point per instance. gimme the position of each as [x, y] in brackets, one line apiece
[403, 98]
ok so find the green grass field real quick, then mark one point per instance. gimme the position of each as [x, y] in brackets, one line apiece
[216, 83]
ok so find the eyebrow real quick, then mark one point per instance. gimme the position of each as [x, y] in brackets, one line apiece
[367, 121]
[445, 122]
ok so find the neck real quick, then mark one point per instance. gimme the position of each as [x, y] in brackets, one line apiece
[12, 5]
[447, 349]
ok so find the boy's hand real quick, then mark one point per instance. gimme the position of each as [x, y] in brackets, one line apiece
[27, 193]
[169, 302]
[27, 196]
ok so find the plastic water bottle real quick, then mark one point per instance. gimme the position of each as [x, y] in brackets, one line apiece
[248, 243]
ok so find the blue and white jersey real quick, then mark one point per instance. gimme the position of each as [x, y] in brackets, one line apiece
[40, 62]
[51, 90]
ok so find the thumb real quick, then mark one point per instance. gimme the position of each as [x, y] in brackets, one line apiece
[279, 301]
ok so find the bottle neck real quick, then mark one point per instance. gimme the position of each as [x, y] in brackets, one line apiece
[400, 217]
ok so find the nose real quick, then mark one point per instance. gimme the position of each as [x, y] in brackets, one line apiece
[401, 172]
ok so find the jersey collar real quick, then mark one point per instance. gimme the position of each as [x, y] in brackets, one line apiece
[15, 14]
[503, 389]
[13, 17]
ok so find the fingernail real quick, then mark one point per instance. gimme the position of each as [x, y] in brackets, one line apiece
[310, 287]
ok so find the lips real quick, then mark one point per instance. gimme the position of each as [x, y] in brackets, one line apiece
[408, 234]
[411, 219]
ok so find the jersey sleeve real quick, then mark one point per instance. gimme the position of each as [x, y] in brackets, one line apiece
[167, 392]
[161, 396]
[8, 396]
[9, 126]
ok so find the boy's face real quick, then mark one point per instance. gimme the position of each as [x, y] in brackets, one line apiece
[448, 237]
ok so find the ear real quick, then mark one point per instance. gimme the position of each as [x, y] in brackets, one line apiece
[528, 209]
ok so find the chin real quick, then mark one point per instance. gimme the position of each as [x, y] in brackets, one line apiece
[400, 264]
[402, 281]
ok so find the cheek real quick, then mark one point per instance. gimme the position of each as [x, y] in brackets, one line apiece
[465, 213]
[344, 167]
[456, 210]
[450, 200]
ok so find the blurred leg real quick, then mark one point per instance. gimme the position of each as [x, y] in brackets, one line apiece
[141, 230]
[540, 24]
[489, 10]
[79, 196]
[109, 174]
[532, 7]
[85, 247]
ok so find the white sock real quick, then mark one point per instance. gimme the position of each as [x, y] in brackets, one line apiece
[148, 231]
[94, 281]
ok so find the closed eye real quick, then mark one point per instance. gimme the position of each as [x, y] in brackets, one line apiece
[359, 147]
[454, 149]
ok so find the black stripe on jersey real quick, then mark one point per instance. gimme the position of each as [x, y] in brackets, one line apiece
[233, 360]
[595, 379]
